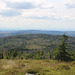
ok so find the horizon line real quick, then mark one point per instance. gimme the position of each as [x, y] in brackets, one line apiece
[33, 30]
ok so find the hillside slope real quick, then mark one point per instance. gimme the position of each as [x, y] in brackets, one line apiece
[34, 42]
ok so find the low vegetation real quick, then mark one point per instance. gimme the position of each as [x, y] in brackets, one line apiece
[37, 67]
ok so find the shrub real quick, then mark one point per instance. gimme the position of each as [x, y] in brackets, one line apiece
[73, 63]
[32, 71]
[62, 67]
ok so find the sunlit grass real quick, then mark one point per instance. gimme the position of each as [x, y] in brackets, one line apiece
[38, 67]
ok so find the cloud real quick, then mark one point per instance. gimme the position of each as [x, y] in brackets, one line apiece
[69, 6]
[55, 17]
[50, 17]
[21, 5]
[8, 13]
[29, 5]
[37, 17]
[47, 6]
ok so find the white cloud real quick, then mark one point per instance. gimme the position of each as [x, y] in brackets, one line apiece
[46, 6]
[37, 12]
[21, 5]
[69, 6]
[9, 13]
[2, 5]
[70, 1]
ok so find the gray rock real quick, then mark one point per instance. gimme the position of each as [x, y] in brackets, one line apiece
[29, 74]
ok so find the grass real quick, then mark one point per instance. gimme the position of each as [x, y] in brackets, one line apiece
[37, 67]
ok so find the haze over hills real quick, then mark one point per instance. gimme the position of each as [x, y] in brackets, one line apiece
[5, 33]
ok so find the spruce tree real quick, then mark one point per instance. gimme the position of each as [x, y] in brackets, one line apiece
[61, 52]
[1, 55]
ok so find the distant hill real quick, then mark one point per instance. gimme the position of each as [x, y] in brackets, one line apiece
[19, 32]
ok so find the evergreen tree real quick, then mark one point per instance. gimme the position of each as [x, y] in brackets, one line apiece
[8, 55]
[61, 52]
[1, 55]
[14, 54]
[40, 55]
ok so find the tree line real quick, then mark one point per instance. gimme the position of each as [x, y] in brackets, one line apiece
[61, 53]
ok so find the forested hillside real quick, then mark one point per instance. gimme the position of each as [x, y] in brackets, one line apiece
[34, 42]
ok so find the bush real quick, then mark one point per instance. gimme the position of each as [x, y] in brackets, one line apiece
[62, 67]
[73, 63]
[32, 71]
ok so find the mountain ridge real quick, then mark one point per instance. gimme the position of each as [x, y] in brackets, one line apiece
[5, 33]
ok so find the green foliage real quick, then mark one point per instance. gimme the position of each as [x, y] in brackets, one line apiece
[14, 54]
[61, 52]
[33, 42]
[8, 55]
[39, 55]
[37, 46]
[33, 71]
[62, 67]
[1, 55]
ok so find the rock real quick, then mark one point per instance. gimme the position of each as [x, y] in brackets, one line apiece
[29, 74]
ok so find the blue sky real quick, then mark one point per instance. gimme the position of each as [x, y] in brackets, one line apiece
[37, 14]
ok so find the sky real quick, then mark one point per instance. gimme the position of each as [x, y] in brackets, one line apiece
[37, 15]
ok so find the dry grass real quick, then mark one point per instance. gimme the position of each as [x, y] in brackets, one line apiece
[10, 64]
[39, 67]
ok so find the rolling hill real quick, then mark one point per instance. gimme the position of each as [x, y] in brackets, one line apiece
[5, 33]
